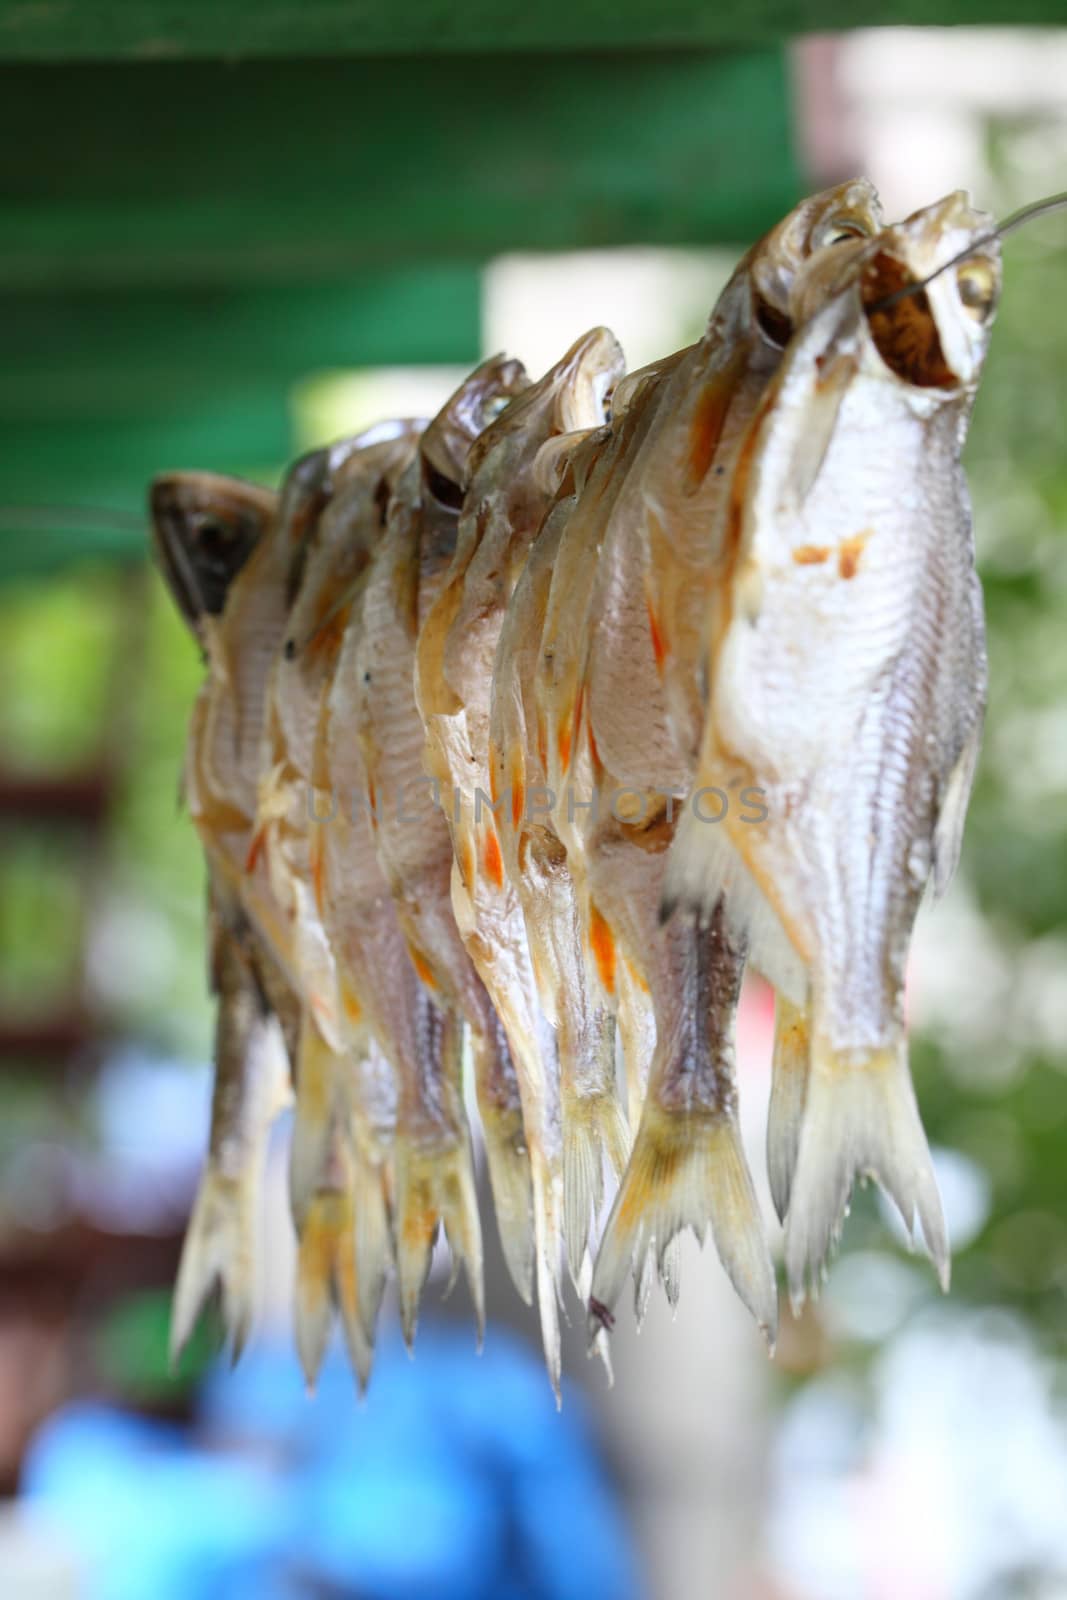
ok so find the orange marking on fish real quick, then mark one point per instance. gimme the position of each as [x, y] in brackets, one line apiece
[255, 849]
[602, 943]
[598, 765]
[637, 976]
[465, 862]
[849, 552]
[542, 742]
[493, 759]
[658, 648]
[318, 873]
[706, 428]
[742, 472]
[810, 555]
[422, 967]
[563, 743]
[325, 642]
[492, 860]
[518, 788]
[349, 1000]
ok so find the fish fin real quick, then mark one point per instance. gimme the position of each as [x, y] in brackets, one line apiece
[219, 1250]
[547, 1237]
[860, 1118]
[687, 1170]
[669, 1267]
[373, 1242]
[789, 1083]
[325, 1282]
[704, 867]
[948, 833]
[593, 1128]
[315, 1081]
[822, 408]
[508, 1160]
[435, 1188]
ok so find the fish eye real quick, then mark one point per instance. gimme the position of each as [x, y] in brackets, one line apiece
[835, 231]
[845, 232]
[977, 288]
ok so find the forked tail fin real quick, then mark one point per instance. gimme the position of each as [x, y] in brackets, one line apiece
[317, 1086]
[326, 1282]
[435, 1187]
[219, 1250]
[508, 1159]
[687, 1169]
[373, 1237]
[860, 1118]
[594, 1128]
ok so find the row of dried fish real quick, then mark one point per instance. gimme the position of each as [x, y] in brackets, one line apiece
[746, 570]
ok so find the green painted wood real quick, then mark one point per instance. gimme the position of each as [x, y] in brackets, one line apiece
[58, 483]
[165, 351]
[198, 174]
[100, 30]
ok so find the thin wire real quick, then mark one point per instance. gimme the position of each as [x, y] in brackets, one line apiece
[65, 516]
[1030, 213]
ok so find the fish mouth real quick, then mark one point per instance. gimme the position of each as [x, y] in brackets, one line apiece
[928, 299]
[905, 333]
[204, 529]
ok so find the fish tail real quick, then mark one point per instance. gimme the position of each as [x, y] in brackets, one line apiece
[373, 1238]
[508, 1159]
[789, 1083]
[435, 1187]
[860, 1118]
[686, 1169]
[593, 1128]
[547, 1236]
[316, 1074]
[326, 1282]
[219, 1249]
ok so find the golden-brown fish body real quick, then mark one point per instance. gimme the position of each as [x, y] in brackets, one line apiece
[390, 1022]
[687, 1166]
[537, 866]
[572, 771]
[412, 838]
[217, 540]
[352, 490]
[205, 529]
[657, 567]
[251, 1087]
[847, 680]
[504, 506]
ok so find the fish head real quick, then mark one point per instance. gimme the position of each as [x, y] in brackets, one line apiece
[343, 538]
[937, 335]
[445, 447]
[827, 229]
[204, 529]
[521, 454]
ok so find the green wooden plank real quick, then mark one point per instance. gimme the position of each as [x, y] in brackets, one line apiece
[60, 484]
[200, 173]
[68, 355]
[99, 30]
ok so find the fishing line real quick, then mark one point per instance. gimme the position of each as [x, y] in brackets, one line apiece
[56, 517]
[1017, 219]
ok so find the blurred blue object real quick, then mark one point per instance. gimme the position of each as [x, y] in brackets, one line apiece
[456, 1478]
